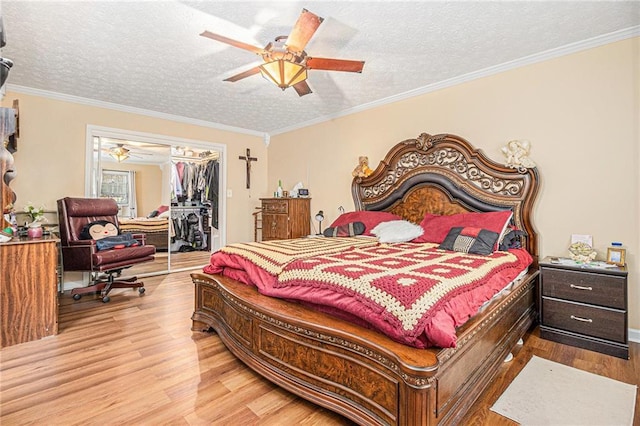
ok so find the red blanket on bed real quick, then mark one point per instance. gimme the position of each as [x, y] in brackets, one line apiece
[414, 293]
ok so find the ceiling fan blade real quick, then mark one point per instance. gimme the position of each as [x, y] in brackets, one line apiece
[329, 64]
[232, 42]
[303, 30]
[302, 88]
[243, 74]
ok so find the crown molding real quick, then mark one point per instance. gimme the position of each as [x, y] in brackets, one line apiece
[496, 69]
[133, 110]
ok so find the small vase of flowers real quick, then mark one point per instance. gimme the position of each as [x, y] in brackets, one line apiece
[36, 215]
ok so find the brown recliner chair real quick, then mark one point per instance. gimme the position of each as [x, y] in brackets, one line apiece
[83, 255]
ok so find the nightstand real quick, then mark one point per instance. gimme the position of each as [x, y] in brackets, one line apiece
[584, 306]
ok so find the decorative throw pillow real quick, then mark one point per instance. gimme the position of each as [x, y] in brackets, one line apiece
[369, 218]
[437, 227]
[470, 240]
[157, 212]
[397, 231]
[511, 239]
[348, 230]
[98, 230]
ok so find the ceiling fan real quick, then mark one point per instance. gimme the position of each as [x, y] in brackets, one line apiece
[285, 61]
[120, 152]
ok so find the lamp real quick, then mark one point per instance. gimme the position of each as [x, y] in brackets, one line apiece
[283, 73]
[320, 218]
[120, 153]
[5, 66]
[282, 67]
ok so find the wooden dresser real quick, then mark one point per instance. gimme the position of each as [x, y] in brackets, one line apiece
[28, 290]
[284, 218]
[584, 307]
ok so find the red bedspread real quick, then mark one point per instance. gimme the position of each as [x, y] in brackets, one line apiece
[414, 293]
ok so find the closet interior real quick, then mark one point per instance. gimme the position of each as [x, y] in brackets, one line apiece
[195, 185]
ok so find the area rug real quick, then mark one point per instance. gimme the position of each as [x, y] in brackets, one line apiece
[548, 393]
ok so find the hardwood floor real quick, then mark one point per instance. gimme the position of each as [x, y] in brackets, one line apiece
[135, 361]
[160, 264]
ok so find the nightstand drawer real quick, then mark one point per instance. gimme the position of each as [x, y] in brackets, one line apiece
[609, 324]
[275, 206]
[587, 287]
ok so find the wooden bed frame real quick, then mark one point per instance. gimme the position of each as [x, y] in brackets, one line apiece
[360, 373]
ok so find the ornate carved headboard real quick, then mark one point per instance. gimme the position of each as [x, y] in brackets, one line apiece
[443, 174]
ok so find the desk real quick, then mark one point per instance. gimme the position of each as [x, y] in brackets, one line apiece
[28, 289]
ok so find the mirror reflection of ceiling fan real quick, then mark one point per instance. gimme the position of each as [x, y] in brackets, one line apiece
[120, 152]
[285, 61]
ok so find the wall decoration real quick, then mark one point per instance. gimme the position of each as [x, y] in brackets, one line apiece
[516, 153]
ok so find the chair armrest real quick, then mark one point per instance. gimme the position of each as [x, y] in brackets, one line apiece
[81, 243]
[78, 255]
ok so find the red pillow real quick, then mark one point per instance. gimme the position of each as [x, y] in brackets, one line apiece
[437, 227]
[370, 219]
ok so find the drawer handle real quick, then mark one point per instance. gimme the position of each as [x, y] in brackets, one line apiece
[579, 287]
[573, 317]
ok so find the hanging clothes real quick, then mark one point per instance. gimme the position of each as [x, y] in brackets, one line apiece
[176, 182]
[212, 177]
[188, 226]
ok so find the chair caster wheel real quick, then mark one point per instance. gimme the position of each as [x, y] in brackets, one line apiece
[141, 290]
[106, 299]
[77, 296]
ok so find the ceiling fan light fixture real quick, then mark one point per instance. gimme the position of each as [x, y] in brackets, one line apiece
[120, 153]
[283, 73]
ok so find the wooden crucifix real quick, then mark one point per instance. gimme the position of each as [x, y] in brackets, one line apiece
[248, 158]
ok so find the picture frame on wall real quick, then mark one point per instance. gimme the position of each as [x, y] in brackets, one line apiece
[616, 256]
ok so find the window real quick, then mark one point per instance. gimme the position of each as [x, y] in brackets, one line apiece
[115, 184]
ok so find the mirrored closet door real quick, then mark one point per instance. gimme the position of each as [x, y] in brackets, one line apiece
[168, 190]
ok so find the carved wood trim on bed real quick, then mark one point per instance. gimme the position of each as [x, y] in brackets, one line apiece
[360, 373]
[454, 177]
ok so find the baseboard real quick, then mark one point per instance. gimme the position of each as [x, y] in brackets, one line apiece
[634, 335]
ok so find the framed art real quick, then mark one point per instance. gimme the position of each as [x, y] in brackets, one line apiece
[616, 256]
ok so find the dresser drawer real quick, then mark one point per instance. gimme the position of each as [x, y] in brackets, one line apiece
[275, 206]
[587, 287]
[605, 323]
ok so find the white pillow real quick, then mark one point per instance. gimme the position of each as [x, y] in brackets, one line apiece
[397, 231]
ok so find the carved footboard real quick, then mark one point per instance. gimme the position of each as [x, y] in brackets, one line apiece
[356, 372]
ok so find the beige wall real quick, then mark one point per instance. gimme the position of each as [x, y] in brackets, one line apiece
[50, 161]
[580, 113]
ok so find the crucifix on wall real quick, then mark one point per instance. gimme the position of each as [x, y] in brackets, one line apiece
[248, 158]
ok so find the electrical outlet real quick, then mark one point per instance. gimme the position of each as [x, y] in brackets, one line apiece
[229, 193]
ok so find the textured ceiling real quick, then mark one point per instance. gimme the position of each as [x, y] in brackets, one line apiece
[149, 55]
